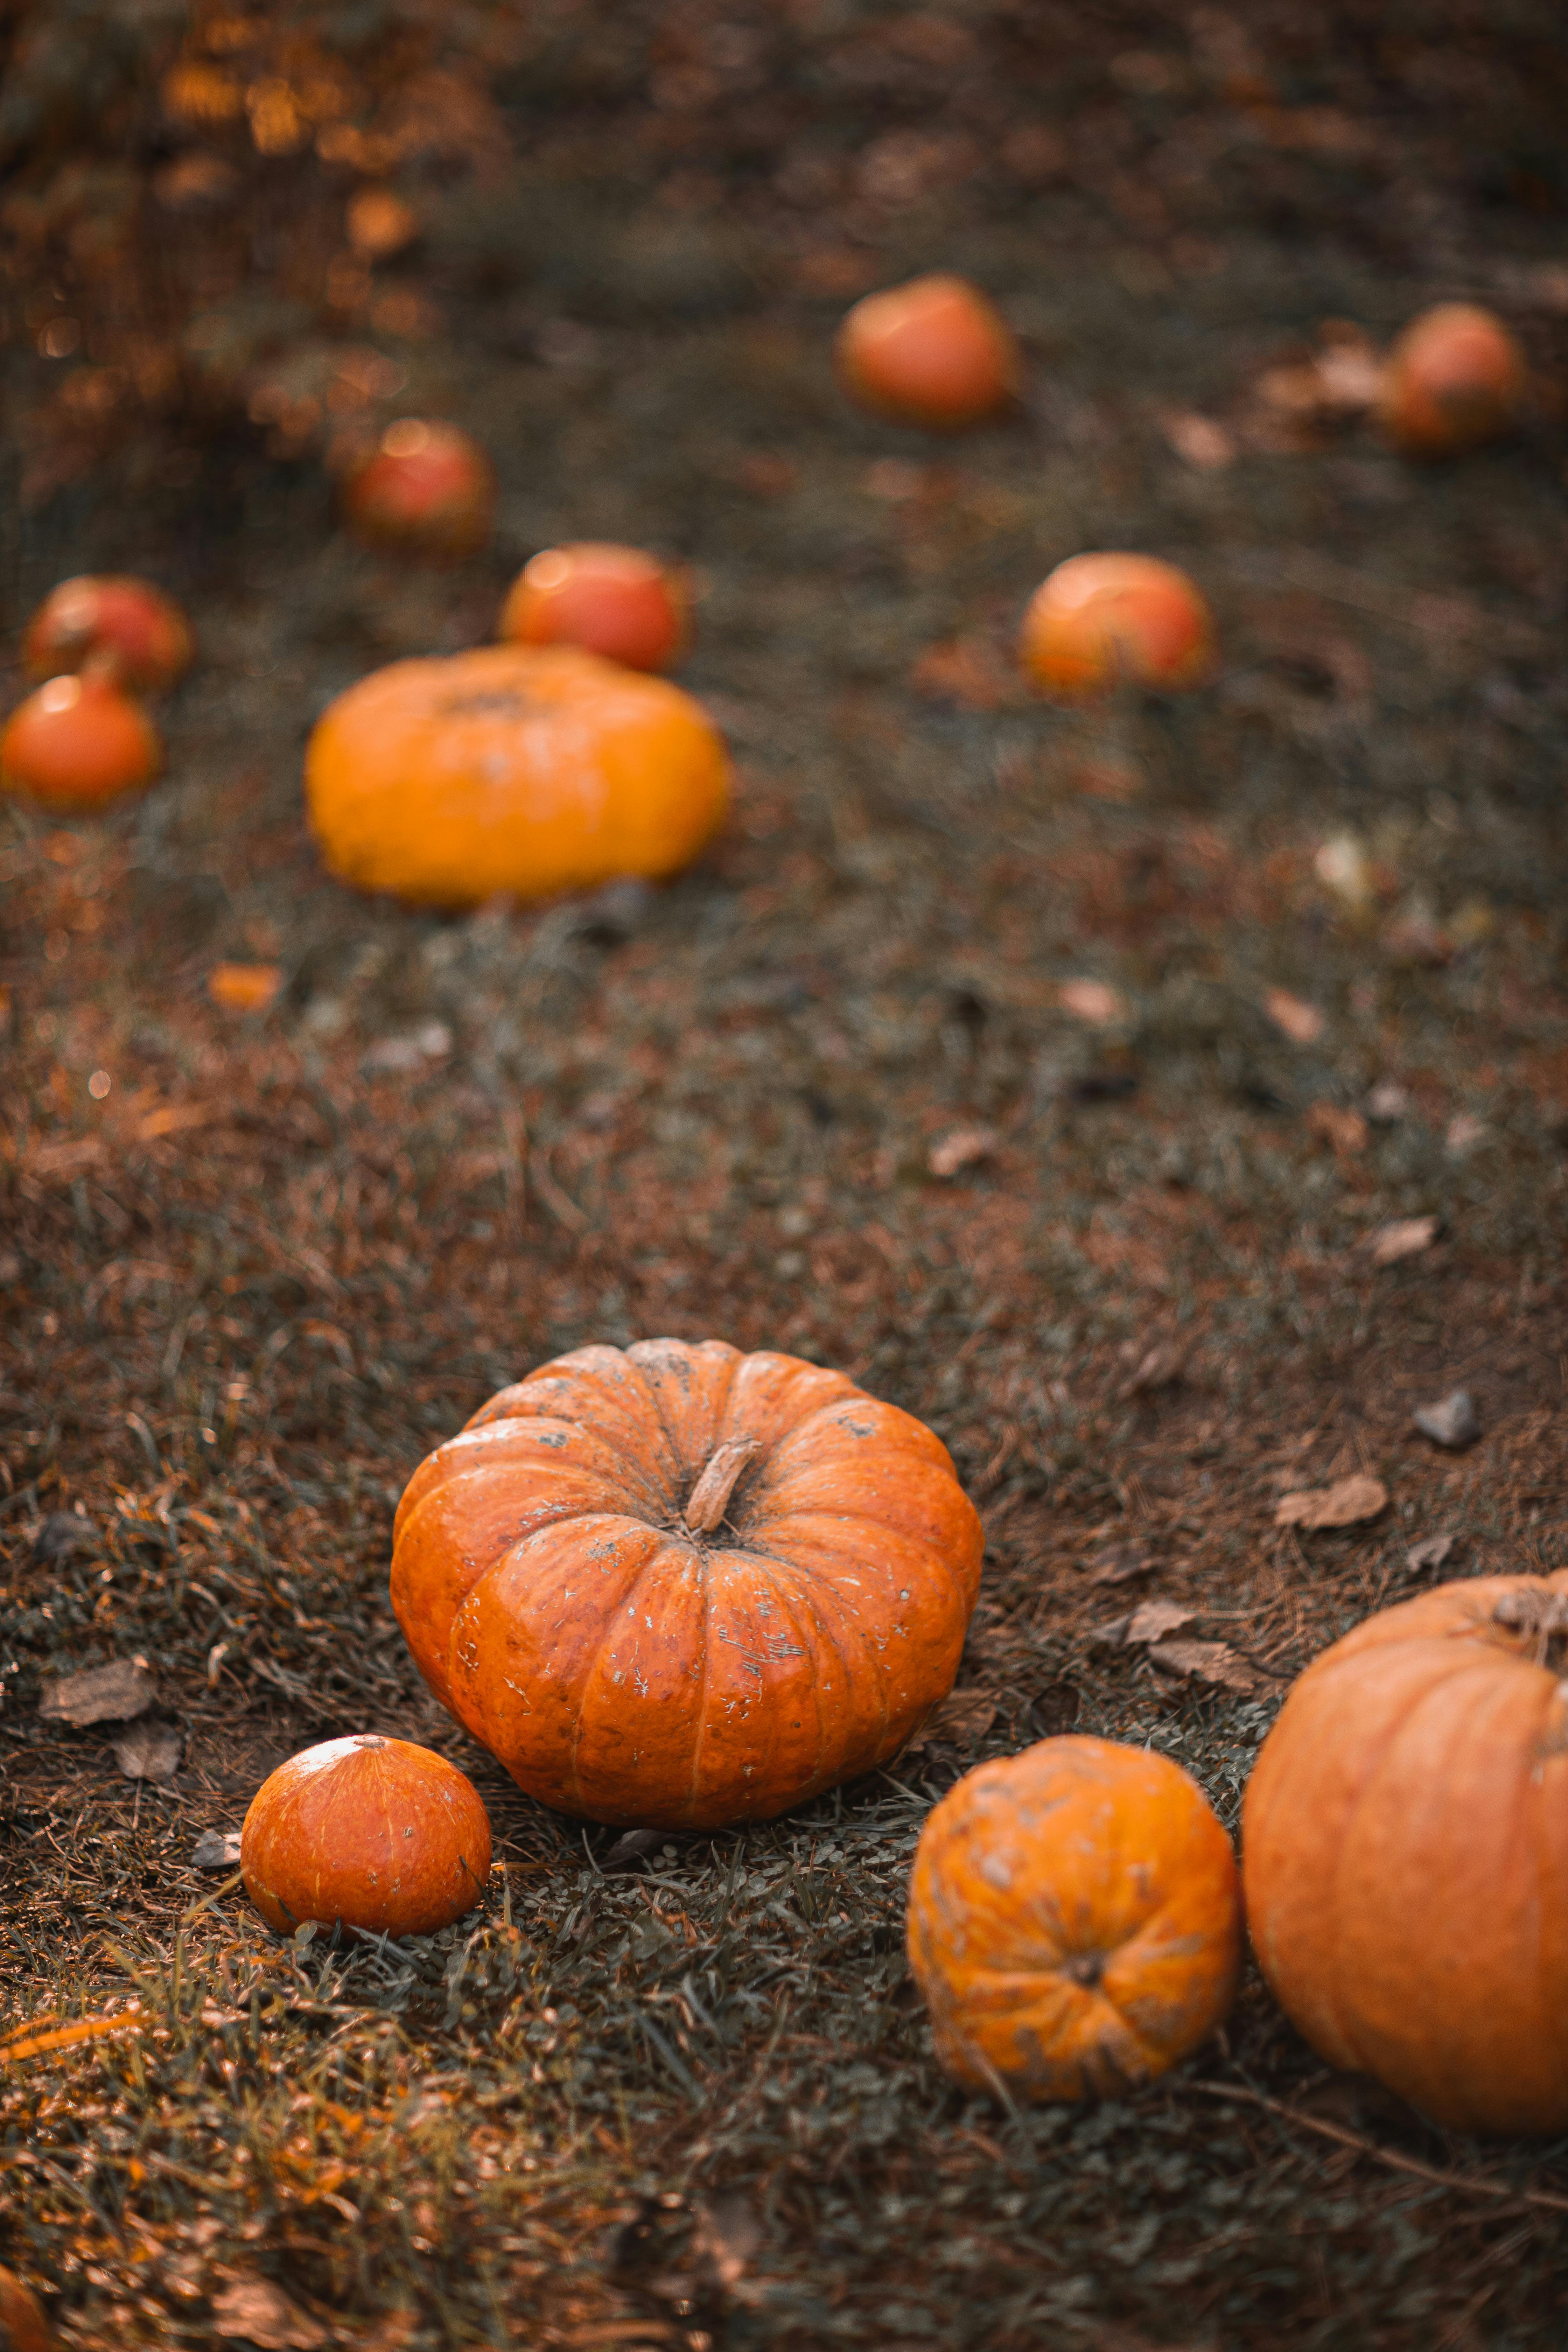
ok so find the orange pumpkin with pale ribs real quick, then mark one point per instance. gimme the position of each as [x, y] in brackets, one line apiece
[677, 1586]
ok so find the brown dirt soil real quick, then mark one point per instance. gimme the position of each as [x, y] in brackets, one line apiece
[824, 1094]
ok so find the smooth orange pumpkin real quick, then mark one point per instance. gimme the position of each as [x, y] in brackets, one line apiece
[377, 1833]
[1103, 621]
[1404, 1844]
[77, 743]
[23, 2327]
[1455, 378]
[681, 1586]
[123, 626]
[932, 353]
[1074, 1920]
[614, 601]
[428, 486]
[526, 770]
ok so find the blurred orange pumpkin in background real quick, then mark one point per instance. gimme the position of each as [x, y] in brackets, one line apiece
[426, 487]
[1103, 621]
[77, 741]
[123, 625]
[526, 770]
[614, 601]
[1454, 379]
[378, 1834]
[933, 353]
[1074, 1920]
[682, 1586]
[23, 2327]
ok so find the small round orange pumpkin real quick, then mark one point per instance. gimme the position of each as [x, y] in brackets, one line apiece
[526, 770]
[123, 626]
[614, 601]
[932, 353]
[428, 486]
[377, 1833]
[1404, 1844]
[1074, 1920]
[23, 2327]
[682, 1586]
[76, 742]
[1107, 620]
[1455, 378]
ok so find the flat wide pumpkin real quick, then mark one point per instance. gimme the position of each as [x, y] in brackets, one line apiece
[517, 769]
[1404, 1853]
[1074, 1921]
[680, 1586]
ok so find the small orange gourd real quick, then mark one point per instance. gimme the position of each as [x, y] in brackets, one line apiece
[932, 353]
[1074, 1920]
[428, 486]
[123, 625]
[23, 2327]
[77, 741]
[681, 1586]
[614, 601]
[1454, 379]
[528, 770]
[1103, 621]
[1404, 1845]
[377, 1833]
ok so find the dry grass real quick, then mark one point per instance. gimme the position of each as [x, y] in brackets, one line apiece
[244, 1290]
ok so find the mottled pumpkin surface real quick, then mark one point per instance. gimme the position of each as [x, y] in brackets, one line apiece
[526, 770]
[628, 1668]
[1405, 1848]
[378, 1834]
[1075, 1923]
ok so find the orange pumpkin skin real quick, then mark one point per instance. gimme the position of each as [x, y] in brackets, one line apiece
[629, 1668]
[1074, 1920]
[123, 626]
[23, 2327]
[932, 353]
[1103, 621]
[1404, 1844]
[76, 742]
[526, 770]
[1455, 378]
[614, 601]
[375, 1833]
[428, 487]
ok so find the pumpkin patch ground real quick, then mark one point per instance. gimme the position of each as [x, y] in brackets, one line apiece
[1160, 1101]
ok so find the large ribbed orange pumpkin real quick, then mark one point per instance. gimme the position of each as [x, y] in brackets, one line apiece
[523, 769]
[680, 1586]
[1074, 1920]
[1404, 1845]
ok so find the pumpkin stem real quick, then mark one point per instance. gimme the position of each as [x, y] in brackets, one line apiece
[710, 1495]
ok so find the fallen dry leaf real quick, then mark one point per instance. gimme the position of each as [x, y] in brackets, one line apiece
[1342, 1504]
[150, 1751]
[729, 2236]
[111, 1694]
[1465, 1131]
[1452, 1421]
[245, 987]
[61, 1534]
[1401, 1237]
[1346, 1132]
[1387, 1103]
[1201, 441]
[1428, 1554]
[630, 1848]
[1206, 1662]
[262, 2314]
[1159, 1367]
[1092, 1001]
[963, 1716]
[967, 672]
[217, 1850]
[1122, 1565]
[1300, 1021]
[963, 1146]
[1152, 1619]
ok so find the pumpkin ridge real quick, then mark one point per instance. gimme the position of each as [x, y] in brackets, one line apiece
[865, 1519]
[871, 1655]
[685, 1476]
[803, 1603]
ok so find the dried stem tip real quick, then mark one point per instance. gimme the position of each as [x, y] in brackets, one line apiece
[710, 1495]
